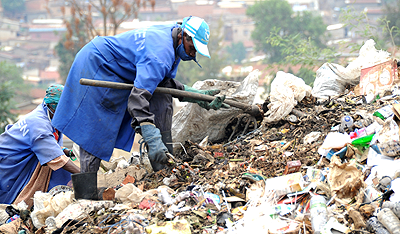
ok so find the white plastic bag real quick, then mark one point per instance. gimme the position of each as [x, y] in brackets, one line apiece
[286, 91]
[130, 193]
[334, 140]
[332, 79]
[194, 123]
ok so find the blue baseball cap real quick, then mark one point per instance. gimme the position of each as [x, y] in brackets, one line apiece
[198, 29]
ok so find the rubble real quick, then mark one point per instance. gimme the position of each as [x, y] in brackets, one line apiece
[260, 176]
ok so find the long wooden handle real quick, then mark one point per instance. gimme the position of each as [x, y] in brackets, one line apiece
[251, 109]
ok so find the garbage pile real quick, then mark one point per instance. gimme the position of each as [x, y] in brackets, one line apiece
[315, 162]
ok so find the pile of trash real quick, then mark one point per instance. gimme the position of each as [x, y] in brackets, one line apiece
[320, 160]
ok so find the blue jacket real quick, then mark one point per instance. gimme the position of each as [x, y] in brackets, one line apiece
[96, 118]
[22, 146]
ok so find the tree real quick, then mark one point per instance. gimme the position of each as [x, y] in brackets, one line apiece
[279, 14]
[296, 50]
[113, 13]
[13, 6]
[237, 52]
[81, 28]
[189, 72]
[10, 80]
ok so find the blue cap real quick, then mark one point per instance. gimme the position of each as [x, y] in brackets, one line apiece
[198, 29]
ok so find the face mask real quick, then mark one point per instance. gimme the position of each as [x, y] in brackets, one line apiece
[180, 50]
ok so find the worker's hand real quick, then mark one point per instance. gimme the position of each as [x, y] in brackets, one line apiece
[215, 104]
[156, 148]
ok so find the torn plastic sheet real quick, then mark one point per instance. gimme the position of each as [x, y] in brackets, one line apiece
[194, 123]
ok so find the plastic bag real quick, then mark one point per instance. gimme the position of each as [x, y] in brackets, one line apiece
[334, 140]
[194, 123]
[389, 131]
[50, 207]
[286, 91]
[131, 193]
[332, 79]
[80, 209]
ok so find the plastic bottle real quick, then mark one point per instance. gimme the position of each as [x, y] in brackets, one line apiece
[319, 213]
[347, 121]
[373, 225]
[394, 206]
[389, 220]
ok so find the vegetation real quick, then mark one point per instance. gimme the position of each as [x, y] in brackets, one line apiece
[69, 46]
[12, 7]
[270, 15]
[10, 83]
[391, 23]
[113, 13]
[80, 28]
[296, 50]
[237, 52]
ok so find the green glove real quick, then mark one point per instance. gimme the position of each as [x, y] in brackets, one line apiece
[217, 103]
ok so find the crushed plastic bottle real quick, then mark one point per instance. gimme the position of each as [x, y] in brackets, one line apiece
[373, 225]
[319, 213]
[389, 220]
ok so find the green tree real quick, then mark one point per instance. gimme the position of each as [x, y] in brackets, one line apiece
[189, 72]
[237, 52]
[10, 80]
[279, 14]
[13, 6]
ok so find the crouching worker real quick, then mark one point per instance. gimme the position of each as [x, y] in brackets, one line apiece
[31, 154]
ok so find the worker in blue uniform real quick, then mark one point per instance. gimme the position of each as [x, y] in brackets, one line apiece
[100, 119]
[31, 154]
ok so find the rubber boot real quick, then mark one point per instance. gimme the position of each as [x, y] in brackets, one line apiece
[85, 185]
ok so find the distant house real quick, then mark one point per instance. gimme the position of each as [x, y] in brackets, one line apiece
[49, 77]
[46, 30]
[8, 29]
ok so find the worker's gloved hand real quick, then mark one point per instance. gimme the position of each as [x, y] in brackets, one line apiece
[156, 148]
[217, 103]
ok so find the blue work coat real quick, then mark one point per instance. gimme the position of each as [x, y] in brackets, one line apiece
[96, 118]
[22, 146]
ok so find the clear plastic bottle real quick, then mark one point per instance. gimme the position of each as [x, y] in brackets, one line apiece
[319, 213]
[347, 121]
[373, 225]
[389, 220]
[394, 206]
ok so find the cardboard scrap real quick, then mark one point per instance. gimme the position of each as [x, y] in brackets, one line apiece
[344, 178]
